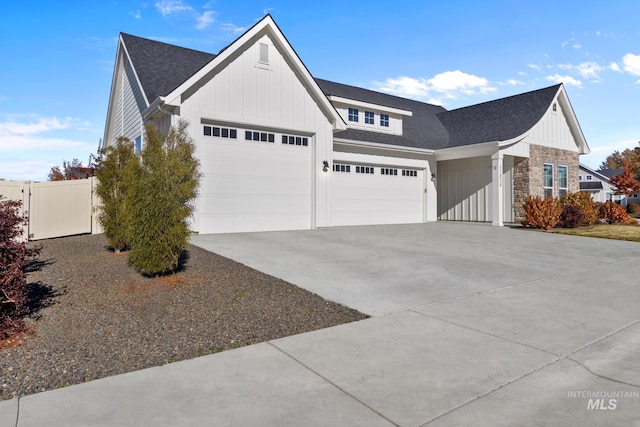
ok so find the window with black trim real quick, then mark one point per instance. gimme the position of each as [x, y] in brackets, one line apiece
[365, 169]
[295, 140]
[353, 114]
[259, 136]
[368, 117]
[407, 172]
[220, 132]
[388, 171]
[384, 120]
[341, 168]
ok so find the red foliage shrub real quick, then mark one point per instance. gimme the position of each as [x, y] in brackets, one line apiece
[571, 216]
[587, 206]
[613, 211]
[14, 257]
[541, 213]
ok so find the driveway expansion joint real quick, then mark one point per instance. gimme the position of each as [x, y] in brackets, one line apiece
[332, 383]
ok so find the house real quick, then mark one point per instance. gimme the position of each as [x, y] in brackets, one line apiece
[597, 183]
[282, 150]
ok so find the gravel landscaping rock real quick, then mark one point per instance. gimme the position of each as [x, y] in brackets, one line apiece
[93, 316]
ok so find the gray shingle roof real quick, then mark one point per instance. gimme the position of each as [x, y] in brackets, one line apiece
[498, 120]
[421, 130]
[609, 173]
[162, 67]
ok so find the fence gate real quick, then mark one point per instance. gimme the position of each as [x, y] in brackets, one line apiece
[55, 209]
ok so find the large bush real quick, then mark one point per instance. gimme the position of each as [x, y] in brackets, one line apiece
[163, 186]
[14, 257]
[587, 209]
[113, 180]
[615, 213]
[541, 213]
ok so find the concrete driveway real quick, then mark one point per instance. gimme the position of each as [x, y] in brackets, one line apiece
[472, 325]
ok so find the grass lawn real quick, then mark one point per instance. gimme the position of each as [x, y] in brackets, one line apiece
[604, 231]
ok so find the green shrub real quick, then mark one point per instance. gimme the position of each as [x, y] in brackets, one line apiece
[14, 258]
[541, 213]
[113, 180]
[163, 186]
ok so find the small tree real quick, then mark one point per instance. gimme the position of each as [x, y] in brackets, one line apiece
[164, 185]
[625, 182]
[14, 257]
[113, 180]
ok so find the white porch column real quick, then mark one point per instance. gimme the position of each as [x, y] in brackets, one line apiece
[497, 190]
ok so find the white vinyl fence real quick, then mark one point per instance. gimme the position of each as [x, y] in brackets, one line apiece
[58, 208]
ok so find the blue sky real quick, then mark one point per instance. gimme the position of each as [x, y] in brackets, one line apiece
[58, 57]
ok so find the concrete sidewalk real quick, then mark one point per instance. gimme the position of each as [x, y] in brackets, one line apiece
[554, 342]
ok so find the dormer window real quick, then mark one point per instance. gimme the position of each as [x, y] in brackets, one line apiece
[353, 114]
[368, 117]
[384, 120]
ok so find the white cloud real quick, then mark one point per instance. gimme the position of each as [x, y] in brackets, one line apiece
[168, 7]
[534, 66]
[567, 80]
[452, 82]
[631, 64]
[136, 14]
[41, 124]
[447, 85]
[34, 135]
[206, 19]
[231, 28]
[511, 82]
[615, 67]
[25, 170]
[589, 70]
[405, 86]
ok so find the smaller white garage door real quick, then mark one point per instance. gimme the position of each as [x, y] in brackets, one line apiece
[254, 181]
[367, 194]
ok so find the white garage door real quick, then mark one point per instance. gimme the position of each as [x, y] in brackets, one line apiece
[254, 181]
[365, 194]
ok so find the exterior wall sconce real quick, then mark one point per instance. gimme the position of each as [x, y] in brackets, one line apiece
[325, 166]
[433, 176]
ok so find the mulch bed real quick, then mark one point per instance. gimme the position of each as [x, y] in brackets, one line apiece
[93, 316]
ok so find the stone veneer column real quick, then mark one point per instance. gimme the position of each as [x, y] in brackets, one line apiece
[528, 174]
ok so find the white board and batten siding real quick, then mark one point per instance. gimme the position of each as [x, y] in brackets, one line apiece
[553, 131]
[465, 189]
[258, 185]
[127, 119]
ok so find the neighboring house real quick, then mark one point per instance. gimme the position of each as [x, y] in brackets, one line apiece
[280, 150]
[619, 198]
[597, 183]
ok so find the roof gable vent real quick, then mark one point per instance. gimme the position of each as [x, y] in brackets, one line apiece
[264, 53]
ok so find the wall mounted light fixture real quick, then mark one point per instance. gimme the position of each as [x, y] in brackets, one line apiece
[325, 166]
[433, 176]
